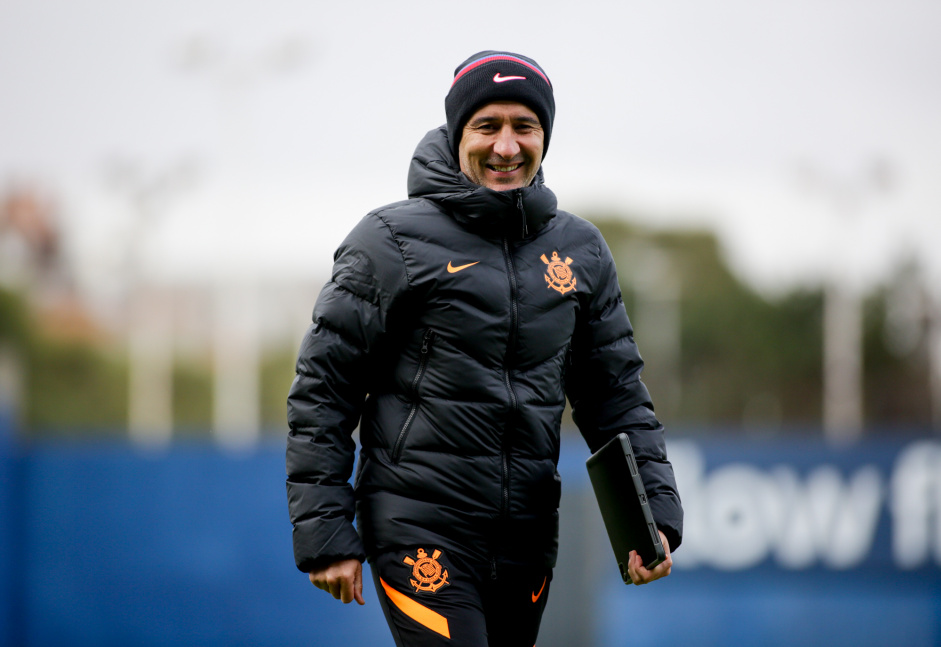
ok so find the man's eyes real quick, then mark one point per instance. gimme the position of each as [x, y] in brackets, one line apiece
[520, 128]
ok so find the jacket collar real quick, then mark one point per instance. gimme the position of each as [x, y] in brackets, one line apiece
[435, 175]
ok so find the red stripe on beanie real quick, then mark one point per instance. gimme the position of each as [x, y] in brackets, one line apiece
[470, 66]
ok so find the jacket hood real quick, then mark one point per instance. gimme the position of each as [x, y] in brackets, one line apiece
[434, 174]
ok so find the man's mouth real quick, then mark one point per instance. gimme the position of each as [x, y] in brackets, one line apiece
[504, 169]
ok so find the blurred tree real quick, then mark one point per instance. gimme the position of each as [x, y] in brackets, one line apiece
[68, 384]
[277, 373]
[192, 398]
[14, 329]
[13, 335]
[896, 352]
[718, 354]
[75, 388]
[741, 360]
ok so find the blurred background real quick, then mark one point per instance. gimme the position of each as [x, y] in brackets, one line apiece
[174, 179]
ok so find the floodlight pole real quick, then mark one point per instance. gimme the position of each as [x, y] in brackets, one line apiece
[657, 292]
[843, 407]
[236, 344]
[842, 362]
[149, 312]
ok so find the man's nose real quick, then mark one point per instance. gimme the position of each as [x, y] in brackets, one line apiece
[506, 145]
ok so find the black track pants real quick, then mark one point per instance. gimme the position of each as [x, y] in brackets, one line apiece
[433, 598]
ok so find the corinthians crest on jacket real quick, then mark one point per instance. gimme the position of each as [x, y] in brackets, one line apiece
[559, 275]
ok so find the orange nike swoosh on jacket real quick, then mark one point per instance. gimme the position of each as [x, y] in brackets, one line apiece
[453, 269]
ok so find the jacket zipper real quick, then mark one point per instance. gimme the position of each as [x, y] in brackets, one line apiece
[514, 403]
[422, 363]
[519, 205]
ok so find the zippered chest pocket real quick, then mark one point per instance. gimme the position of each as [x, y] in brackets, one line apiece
[424, 354]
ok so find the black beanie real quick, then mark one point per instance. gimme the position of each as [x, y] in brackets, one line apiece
[497, 76]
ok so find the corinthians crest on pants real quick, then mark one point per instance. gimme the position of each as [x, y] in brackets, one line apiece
[559, 275]
[427, 571]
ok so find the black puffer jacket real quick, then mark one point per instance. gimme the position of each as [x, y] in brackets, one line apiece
[454, 325]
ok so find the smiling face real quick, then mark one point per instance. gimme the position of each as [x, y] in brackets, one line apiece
[501, 146]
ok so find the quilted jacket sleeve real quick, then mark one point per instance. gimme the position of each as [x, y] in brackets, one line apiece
[604, 387]
[350, 324]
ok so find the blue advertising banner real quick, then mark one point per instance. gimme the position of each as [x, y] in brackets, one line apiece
[802, 505]
[787, 541]
[6, 531]
[793, 541]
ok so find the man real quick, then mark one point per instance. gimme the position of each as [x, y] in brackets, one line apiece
[452, 329]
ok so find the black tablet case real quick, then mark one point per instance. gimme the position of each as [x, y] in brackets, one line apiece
[623, 503]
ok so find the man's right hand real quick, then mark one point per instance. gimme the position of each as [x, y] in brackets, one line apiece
[343, 580]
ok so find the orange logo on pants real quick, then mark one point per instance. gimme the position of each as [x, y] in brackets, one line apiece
[417, 612]
[542, 588]
[427, 571]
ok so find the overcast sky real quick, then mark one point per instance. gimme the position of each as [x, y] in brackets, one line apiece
[679, 113]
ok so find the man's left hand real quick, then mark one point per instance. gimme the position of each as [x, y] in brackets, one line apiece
[640, 575]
